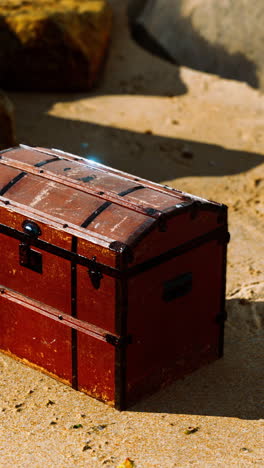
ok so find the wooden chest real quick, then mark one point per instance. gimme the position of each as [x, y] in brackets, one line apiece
[110, 283]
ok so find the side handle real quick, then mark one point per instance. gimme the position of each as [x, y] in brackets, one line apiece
[177, 287]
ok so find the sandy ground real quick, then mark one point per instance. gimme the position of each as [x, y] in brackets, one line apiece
[201, 134]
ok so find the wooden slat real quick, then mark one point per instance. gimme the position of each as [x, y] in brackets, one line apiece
[109, 170]
[106, 195]
[56, 223]
[54, 314]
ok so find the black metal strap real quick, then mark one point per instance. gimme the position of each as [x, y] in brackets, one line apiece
[130, 190]
[20, 176]
[105, 205]
[11, 183]
[74, 314]
[58, 251]
[220, 234]
[46, 161]
[96, 213]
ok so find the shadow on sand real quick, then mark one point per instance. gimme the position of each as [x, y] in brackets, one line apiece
[153, 157]
[128, 71]
[229, 387]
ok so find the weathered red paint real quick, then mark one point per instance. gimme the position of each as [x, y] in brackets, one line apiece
[142, 324]
[35, 338]
[179, 336]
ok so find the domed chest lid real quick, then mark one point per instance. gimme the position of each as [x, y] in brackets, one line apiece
[86, 194]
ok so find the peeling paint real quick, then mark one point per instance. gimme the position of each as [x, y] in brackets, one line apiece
[119, 224]
[48, 342]
[43, 194]
[36, 366]
[86, 179]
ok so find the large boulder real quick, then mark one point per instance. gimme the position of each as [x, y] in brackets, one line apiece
[7, 122]
[140, 33]
[222, 37]
[53, 44]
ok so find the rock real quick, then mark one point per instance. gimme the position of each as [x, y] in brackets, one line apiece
[50, 45]
[7, 122]
[139, 32]
[221, 37]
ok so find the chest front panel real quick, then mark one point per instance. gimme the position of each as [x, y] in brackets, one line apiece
[31, 271]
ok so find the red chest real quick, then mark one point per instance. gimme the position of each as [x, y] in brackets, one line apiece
[113, 284]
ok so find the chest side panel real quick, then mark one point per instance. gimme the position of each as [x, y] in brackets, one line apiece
[172, 317]
[177, 230]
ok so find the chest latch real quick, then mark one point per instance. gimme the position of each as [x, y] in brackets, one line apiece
[28, 257]
[95, 274]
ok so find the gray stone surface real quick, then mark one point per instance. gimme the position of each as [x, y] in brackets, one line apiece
[222, 37]
[7, 123]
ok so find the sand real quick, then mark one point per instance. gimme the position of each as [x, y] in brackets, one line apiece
[201, 134]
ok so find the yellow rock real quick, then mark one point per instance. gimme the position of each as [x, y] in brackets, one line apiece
[127, 464]
[53, 45]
